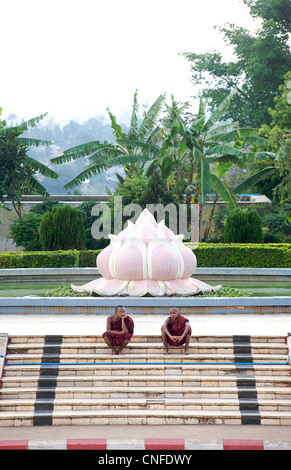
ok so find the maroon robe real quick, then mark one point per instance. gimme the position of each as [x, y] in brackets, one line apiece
[116, 326]
[176, 328]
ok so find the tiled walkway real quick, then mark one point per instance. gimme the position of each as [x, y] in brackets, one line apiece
[228, 324]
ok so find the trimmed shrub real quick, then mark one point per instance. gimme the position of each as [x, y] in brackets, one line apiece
[39, 259]
[243, 255]
[243, 227]
[214, 255]
[87, 258]
[62, 228]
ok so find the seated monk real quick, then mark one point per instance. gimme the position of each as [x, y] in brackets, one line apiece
[119, 330]
[176, 331]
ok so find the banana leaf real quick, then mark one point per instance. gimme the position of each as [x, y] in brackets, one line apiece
[117, 130]
[80, 151]
[205, 180]
[133, 131]
[253, 179]
[216, 132]
[219, 111]
[35, 184]
[150, 118]
[25, 126]
[223, 149]
[40, 167]
[147, 166]
[223, 191]
[35, 142]
[139, 144]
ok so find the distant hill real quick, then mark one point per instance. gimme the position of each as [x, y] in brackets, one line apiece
[66, 136]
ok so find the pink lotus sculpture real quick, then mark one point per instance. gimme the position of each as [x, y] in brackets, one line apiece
[146, 258]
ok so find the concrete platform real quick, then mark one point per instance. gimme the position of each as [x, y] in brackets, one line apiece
[200, 437]
[91, 324]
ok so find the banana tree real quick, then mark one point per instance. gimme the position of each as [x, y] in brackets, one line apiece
[19, 169]
[212, 148]
[130, 150]
[170, 160]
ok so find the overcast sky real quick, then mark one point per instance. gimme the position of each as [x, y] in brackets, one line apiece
[73, 59]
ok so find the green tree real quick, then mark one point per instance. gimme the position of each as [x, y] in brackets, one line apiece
[276, 228]
[277, 10]
[62, 229]
[277, 148]
[24, 232]
[209, 148]
[155, 193]
[91, 244]
[261, 61]
[170, 160]
[243, 227]
[18, 169]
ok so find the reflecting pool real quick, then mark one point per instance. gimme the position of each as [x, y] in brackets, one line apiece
[258, 289]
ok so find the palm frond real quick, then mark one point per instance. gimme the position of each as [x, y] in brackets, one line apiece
[25, 126]
[231, 159]
[253, 179]
[153, 137]
[249, 156]
[221, 130]
[117, 130]
[223, 149]
[195, 126]
[237, 134]
[35, 142]
[223, 191]
[40, 167]
[80, 151]
[150, 119]
[139, 144]
[205, 180]
[106, 153]
[126, 160]
[255, 139]
[37, 186]
[147, 166]
[220, 110]
[98, 167]
[133, 131]
[201, 110]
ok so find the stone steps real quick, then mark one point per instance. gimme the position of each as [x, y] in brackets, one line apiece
[141, 417]
[117, 381]
[145, 358]
[75, 380]
[146, 369]
[26, 404]
[126, 392]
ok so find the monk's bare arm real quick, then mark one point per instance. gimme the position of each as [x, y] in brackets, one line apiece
[110, 331]
[123, 326]
[165, 328]
[186, 330]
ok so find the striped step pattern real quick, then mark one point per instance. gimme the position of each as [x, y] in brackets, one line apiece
[147, 444]
[74, 380]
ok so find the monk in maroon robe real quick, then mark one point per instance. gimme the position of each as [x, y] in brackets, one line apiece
[119, 330]
[176, 331]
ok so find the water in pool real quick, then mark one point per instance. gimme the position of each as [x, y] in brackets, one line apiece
[258, 289]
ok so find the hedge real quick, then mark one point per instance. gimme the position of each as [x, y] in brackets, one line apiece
[247, 255]
[39, 259]
[208, 255]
